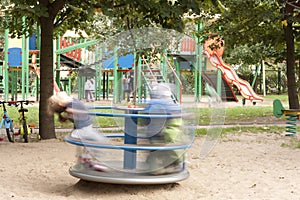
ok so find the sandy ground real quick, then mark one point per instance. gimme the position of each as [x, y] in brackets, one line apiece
[244, 166]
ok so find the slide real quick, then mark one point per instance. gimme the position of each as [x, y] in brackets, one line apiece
[227, 93]
[230, 75]
[70, 62]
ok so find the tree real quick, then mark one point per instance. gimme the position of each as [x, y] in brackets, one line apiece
[268, 28]
[53, 16]
[288, 10]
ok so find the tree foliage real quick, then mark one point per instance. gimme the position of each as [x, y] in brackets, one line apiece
[56, 16]
[257, 29]
[251, 23]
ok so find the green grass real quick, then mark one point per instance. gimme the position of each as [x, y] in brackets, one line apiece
[33, 118]
[233, 115]
[205, 116]
[32, 114]
[239, 129]
[295, 143]
[283, 97]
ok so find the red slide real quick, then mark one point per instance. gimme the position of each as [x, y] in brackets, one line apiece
[230, 75]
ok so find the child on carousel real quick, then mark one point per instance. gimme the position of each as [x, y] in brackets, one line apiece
[72, 109]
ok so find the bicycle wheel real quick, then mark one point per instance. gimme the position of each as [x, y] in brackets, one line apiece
[10, 135]
[25, 136]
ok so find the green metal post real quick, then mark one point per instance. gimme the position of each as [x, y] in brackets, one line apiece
[25, 64]
[116, 96]
[263, 77]
[38, 38]
[177, 64]
[23, 67]
[79, 87]
[198, 65]
[26, 67]
[139, 81]
[98, 78]
[77, 46]
[69, 85]
[137, 93]
[5, 63]
[14, 85]
[100, 81]
[279, 81]
[2, 67]
[164, 66]
[57, 72]
[119, 86]
[255, 75]
[96, 75]
[139, 88]
[83, 80]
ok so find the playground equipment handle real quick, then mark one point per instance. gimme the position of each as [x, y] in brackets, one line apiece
[178, 79]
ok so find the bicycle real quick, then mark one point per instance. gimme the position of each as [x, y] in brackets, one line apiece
[25, 129]
[8, 124]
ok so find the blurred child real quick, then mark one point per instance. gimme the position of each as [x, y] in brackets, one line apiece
[164, 131]
[72, 109]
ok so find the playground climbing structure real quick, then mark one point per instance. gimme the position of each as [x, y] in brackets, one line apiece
[157, 72]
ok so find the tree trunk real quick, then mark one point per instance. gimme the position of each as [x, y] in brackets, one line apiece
[46, 120]
[287, 11]
[290, 67]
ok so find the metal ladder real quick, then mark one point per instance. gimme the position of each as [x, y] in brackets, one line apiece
[151, 74]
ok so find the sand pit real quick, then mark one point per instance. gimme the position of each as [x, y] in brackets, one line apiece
[244, 166]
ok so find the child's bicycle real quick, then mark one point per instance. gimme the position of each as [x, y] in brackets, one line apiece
[25, 130]
[8, 123]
